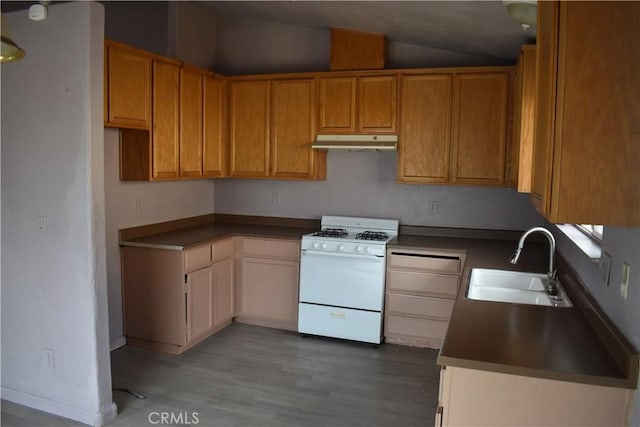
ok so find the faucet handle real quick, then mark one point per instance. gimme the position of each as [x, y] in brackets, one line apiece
[552, 275]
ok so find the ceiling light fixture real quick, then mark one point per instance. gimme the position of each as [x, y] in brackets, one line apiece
[523, 11]
[9, 50]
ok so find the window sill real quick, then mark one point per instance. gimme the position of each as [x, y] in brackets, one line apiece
[587, 245]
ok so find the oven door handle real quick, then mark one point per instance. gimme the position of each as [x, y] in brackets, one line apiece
[374, 258]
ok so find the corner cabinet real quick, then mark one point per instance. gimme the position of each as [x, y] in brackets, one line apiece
[272, 127]
[587, 132]
[267, 291]
[175, 299]
[473, 397]
[455, 127]
[357, 104]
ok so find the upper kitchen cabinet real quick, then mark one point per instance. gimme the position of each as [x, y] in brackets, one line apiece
[128, 87]
[587, 130]
[425, 131]
[480, 128]
[454, 127]
[350, 104]
[293, 131]
[249, 128]
[272, 127]
[191, 114]
[166, 111]
[202, 137]
[154, 155]
[214, 127]
[523, 119]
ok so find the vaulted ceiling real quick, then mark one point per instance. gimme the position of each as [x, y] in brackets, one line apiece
[480, 28]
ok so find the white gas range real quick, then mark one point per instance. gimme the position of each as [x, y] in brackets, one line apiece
[342, 276]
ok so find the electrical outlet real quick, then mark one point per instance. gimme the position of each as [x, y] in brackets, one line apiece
[433, 207]
[49, 358]
[624, 284]
[605, 268]
[275, 197]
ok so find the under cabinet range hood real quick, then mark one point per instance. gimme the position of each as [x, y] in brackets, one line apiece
[356, 142]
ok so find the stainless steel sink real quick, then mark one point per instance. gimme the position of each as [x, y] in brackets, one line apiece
[513, 287]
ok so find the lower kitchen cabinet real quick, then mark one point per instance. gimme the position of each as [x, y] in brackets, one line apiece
[175, 299]
[421, 288]
[268, 286]
[473, 397]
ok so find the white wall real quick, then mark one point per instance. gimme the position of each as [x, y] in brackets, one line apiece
[54, 282]
[623, 244]
[364, 184]
[130, 204]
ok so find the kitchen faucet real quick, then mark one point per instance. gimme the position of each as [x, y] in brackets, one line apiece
[552, 285]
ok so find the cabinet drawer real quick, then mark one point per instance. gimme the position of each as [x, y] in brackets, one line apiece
[271, 248]
[409, 305]
[414, 282]
[440, 262]
[197, 258]
[420, 328]
[222, 250]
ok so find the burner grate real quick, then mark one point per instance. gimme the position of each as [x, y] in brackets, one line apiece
[372, 235]
[331, 232]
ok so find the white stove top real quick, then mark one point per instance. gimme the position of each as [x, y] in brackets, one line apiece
[352, 234]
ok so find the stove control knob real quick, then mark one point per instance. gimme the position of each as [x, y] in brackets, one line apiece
[323, 246]
[341, 247]
[367, 249]
[315, 245]
[358, 248]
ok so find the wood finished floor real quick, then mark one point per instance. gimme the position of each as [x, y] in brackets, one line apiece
[251, 376]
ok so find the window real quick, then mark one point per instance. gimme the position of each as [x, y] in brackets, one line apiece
[593, 231]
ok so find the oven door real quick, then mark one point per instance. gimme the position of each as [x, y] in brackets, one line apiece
[342, 279]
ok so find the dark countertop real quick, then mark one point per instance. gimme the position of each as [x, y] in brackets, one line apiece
[195, 236]
[536, 341]
[520, 339]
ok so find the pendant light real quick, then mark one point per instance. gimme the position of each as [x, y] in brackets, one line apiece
[9, 50]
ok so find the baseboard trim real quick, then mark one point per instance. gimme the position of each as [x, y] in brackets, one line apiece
[97, 419]
[117, 342]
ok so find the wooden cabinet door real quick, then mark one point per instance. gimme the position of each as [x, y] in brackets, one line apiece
[128, 81]
[481, 108]
[292, 128]
[223, 300]
[190, 122]
[337, 106]
[596, 148]
[214, 141]
[425, 128]
[166, 111]
[523, 120]
[546, 72]
[269, 292]
[249, 128]
[200, 299]
[377, 104]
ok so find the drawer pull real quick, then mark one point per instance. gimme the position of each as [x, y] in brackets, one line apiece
[335, 315]
[426, 255]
